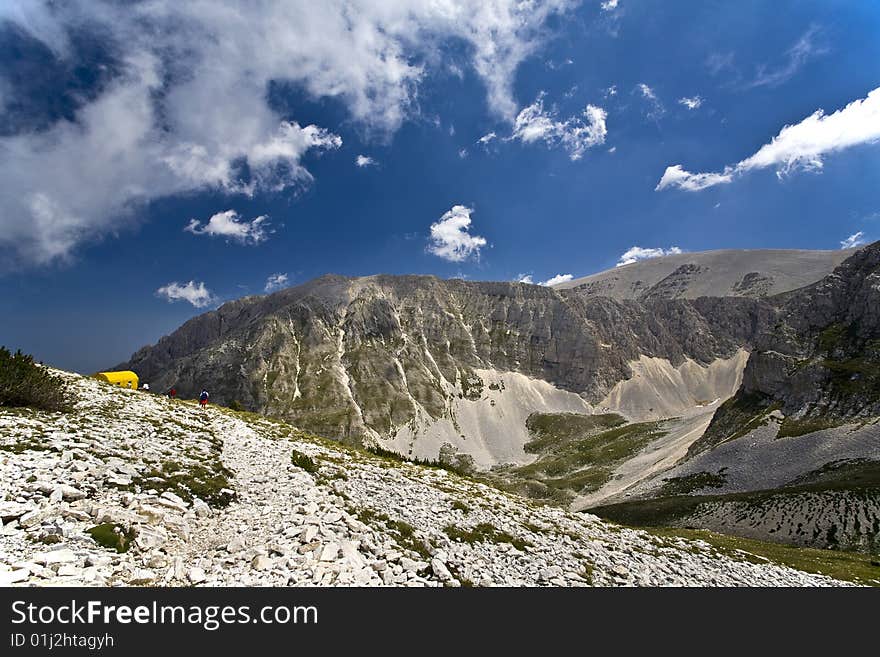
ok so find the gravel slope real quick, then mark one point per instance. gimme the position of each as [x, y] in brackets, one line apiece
[352, 519]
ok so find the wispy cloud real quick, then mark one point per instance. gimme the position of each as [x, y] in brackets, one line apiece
[636, 253]
[450, 237]
[230, 225]
[799, 146]
[609, 5]
[575, 134]
[655, 105]
[691, 102]
[364, 161]
[276, 282]
[194, 293]
[854, 240]
[805, 49]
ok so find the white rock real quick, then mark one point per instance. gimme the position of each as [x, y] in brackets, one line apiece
[149, 537]
[308, 534]
[196, 575]
[329, 552]
[142, 576]
[14, 576]
[202, 510]
[237, 544]
[63, 555]
[261, 562]
[68, 570]
[71, 493]
[440, 570]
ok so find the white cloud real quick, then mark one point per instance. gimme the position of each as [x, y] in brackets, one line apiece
[276, 282]
[556, 280]
[676, 176]
[799, 54]
[195, 293]
[485, 139]
[230, 225]
[609, 5]
[692, 102]
[610, 91]
[450, 238]
[613, 149]
[656, 109]
[636, 253]
[854, 240]
[462, 153]
[575, 134]
[799, 146]
[550, 282]
[190, 112]
[364, 161]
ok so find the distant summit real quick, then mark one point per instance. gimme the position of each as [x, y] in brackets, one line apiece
[751, 273]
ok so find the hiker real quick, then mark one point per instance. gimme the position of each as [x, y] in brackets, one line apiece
[172, 393]
[203, 398]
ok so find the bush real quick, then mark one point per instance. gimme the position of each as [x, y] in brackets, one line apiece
[24, 383]
[303, 461]
[236, 406]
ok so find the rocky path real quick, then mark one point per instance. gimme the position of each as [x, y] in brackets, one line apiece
[281, 508]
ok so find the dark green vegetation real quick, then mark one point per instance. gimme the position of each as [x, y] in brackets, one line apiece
[736, 417]
[577, 454]
[457, 463]
[24, 383]
[112, 536]
[485, 533]
[303, 461]
[848, 566]
[813, 493]
[209, 482]
[403, 532]
[690, 483]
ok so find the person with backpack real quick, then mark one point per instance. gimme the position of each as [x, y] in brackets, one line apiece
[203, 398]
[172, 393]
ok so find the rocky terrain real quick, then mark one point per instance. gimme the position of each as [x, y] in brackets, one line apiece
[131, 488]
[778, 367]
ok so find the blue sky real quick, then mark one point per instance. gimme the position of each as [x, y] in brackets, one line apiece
[122, 126]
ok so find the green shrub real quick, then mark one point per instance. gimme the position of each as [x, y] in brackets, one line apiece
[24, 383]
[113, 536]
[237, 406]
[303, 461]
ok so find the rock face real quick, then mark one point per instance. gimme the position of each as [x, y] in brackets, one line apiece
[379, 358]
[820, 360]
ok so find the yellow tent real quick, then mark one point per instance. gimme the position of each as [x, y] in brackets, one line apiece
[123, 379]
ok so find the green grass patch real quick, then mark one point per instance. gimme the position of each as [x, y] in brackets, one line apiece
[210, 484]
[847, 566]
[112, 536]
[689, 483]
[791, 428]
[485, 533]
